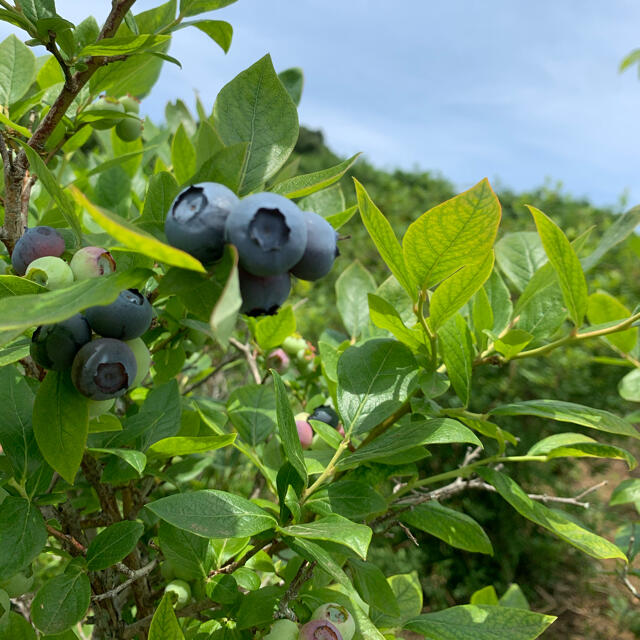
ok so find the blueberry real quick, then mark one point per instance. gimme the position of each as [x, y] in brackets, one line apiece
[180, 590]
[320, 630]
[54, 346]
[337, 615]
[283, 630]
[263, 295]
[50, 272]
[321, 250]
[36, 243]
[269, 232]
[91, 262]
[305, 433]
[126, 318]
[327, 415]
[103, 369]
[278, 360]
[196, 220]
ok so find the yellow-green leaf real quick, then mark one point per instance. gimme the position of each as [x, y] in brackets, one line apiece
[134, 238]
[602, 308]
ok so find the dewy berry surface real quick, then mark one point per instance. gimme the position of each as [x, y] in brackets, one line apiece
[128, 317]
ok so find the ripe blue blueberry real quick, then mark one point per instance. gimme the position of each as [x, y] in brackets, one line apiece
[326, 414]
[36, 243]
[103, 369]
[54, 346]
[269, 232]
[126, 318]
[196, 220]
[320, 630]
[321, 250]
[263, 296]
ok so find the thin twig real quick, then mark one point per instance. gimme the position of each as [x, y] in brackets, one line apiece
[133, 576]
[250, 357]
[70, 542]
[303, 575]
[232, 566]
[52, 48]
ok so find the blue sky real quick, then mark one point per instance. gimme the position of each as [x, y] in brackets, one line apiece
[520, 92]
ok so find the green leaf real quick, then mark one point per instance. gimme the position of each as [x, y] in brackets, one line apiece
[455, 528]
[22, 534]
[212, 514]
[336, 529]
[385, 316]
[16, 430]
[457, 232]
[486, 595]
[255, 108]
[61, 602]
[183, 156]
[125, 45]
[519, 255]
[184, 550]
[593, 450]
[352, 289]
[373, 588]
[629, 386]
[17, 286]
[161, 192]
[402, 437]
[385, 240]
[219, 31]
[272, 330]
[408, 592]
[627, 491]
[61, 423]
[458, 289]
[550, 443]
[135, 459]
[113, 544]
[194, 7]
[374, 379]
[184, 446]
[164, 625]
[457, 350]
[17, 70]
[12, 125]
[512, 343]
[513, 597]
[500, 301]
[309, 183]
[569, 412]
[135, 238]
[480, 622]
[624, 225]
[602, 308]
[337, 220]
[551, 519]
[287, 428]
[293, 81]
[252, 410]
[19, 628]
[225, 312]
[225, 166]
[353, 500]
[565, 263]
[52, 185]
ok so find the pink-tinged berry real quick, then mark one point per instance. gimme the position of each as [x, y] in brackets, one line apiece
[305, 433]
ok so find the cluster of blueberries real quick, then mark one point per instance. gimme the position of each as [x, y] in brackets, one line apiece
[275, 239]
[103, 368]
[329, 621]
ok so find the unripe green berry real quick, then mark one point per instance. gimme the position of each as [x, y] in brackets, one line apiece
[283, 630]
[130, 103]
[143, 359]
[182, 591]
[129, 130]
[50, 272]
[338, 616]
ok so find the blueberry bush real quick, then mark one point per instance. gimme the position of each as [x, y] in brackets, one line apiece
[177, 461]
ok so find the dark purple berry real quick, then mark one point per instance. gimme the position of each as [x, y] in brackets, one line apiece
[327, 415]
[321, 250]
[104, 368]
[54, 346]
[263, 295]
[36, 242]
[128, 317]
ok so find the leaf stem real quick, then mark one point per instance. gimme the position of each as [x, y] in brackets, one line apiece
[330, 468]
